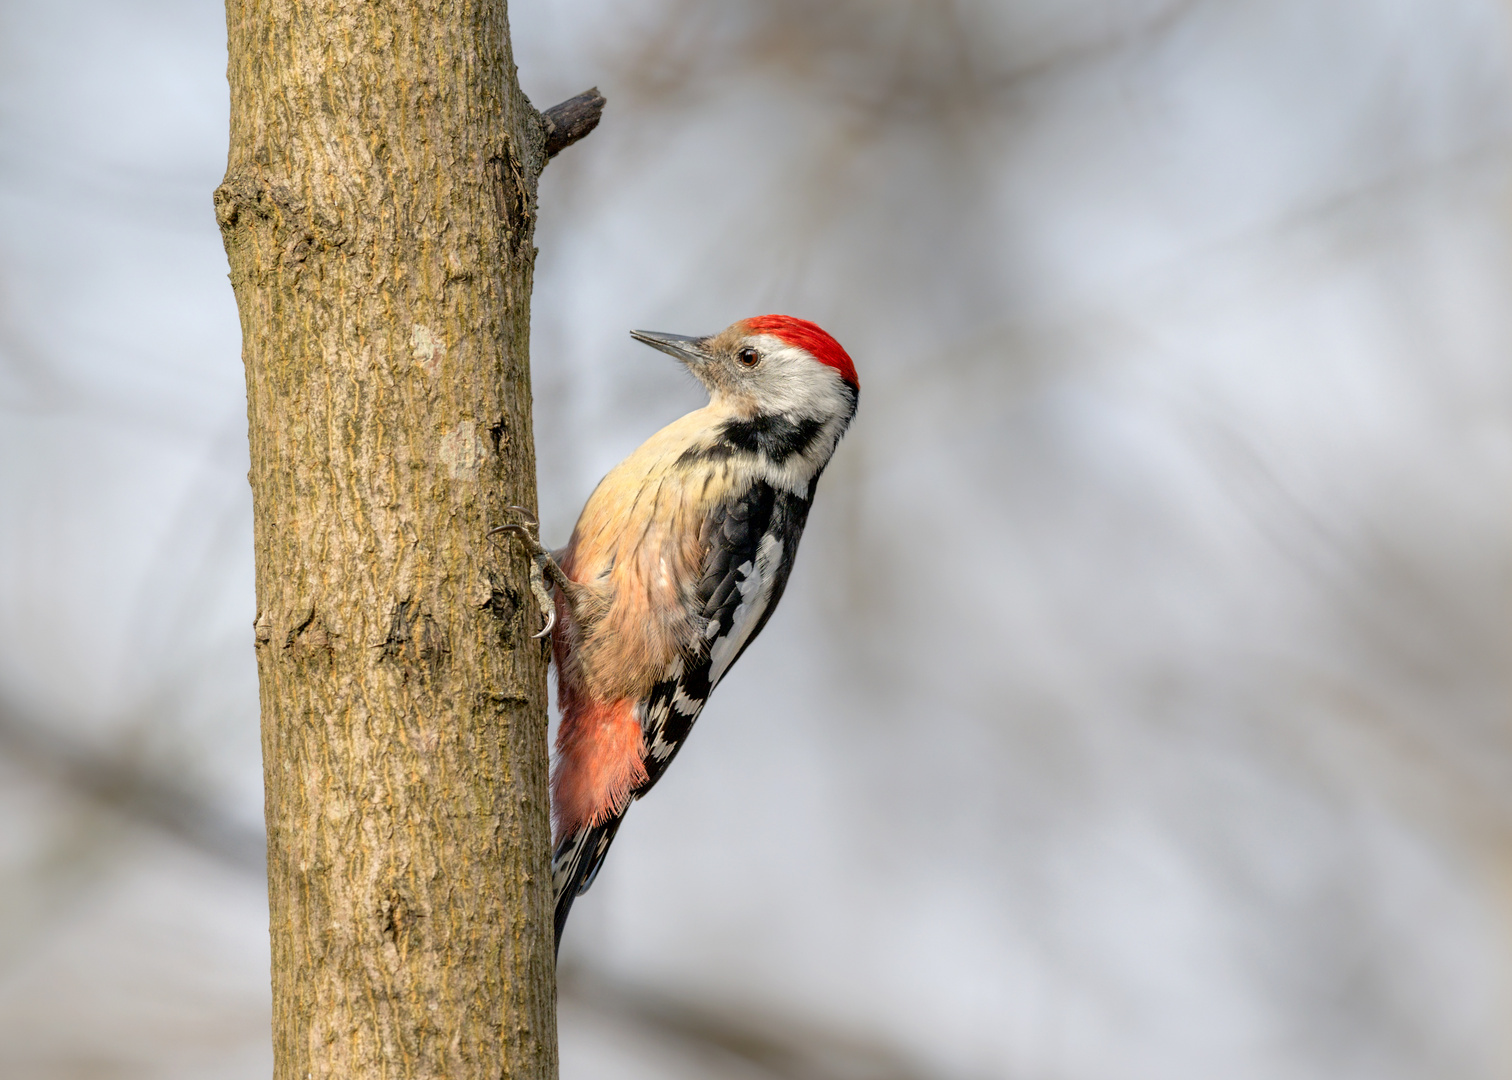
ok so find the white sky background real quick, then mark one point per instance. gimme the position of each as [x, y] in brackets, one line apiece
[1139, 706]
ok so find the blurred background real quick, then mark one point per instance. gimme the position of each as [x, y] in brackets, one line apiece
[1139, 706]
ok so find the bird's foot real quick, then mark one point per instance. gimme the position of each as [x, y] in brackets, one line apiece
[542, 565]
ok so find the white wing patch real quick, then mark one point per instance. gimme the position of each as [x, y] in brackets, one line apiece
[755, 585]
[656, 721]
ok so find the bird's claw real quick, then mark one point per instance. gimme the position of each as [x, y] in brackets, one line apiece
[543, 597]
[539, 558]
[529, 531]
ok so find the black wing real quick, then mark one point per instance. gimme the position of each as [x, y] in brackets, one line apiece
[574, 865]
[752, 540]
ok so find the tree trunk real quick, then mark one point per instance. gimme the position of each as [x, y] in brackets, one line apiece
[377, 213]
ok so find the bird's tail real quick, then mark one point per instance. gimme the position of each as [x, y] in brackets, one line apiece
[575, 864]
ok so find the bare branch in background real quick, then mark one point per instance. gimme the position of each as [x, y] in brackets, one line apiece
[780, 1046]
[134, 791]
[882, 61]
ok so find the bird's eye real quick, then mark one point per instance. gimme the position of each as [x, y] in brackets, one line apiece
[748, 356]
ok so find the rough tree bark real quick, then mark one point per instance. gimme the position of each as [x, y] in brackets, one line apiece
[377, 213]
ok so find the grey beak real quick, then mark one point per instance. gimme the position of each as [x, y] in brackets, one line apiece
[690, 350]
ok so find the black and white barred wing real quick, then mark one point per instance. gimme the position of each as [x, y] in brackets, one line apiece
[575, 863]
[752, 540]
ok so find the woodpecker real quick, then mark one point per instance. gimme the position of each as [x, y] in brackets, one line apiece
[675, 565]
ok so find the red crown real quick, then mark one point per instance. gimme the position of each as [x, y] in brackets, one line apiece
[807, 335]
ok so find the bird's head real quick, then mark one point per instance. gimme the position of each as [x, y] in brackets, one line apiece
[768, 364]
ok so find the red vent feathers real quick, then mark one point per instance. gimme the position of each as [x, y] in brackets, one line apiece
[807, 335]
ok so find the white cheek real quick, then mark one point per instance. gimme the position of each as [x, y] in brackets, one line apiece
[793, 383]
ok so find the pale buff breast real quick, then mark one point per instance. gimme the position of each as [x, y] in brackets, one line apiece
[637, 547]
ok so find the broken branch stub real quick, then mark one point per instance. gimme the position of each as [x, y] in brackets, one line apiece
[571, 120]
